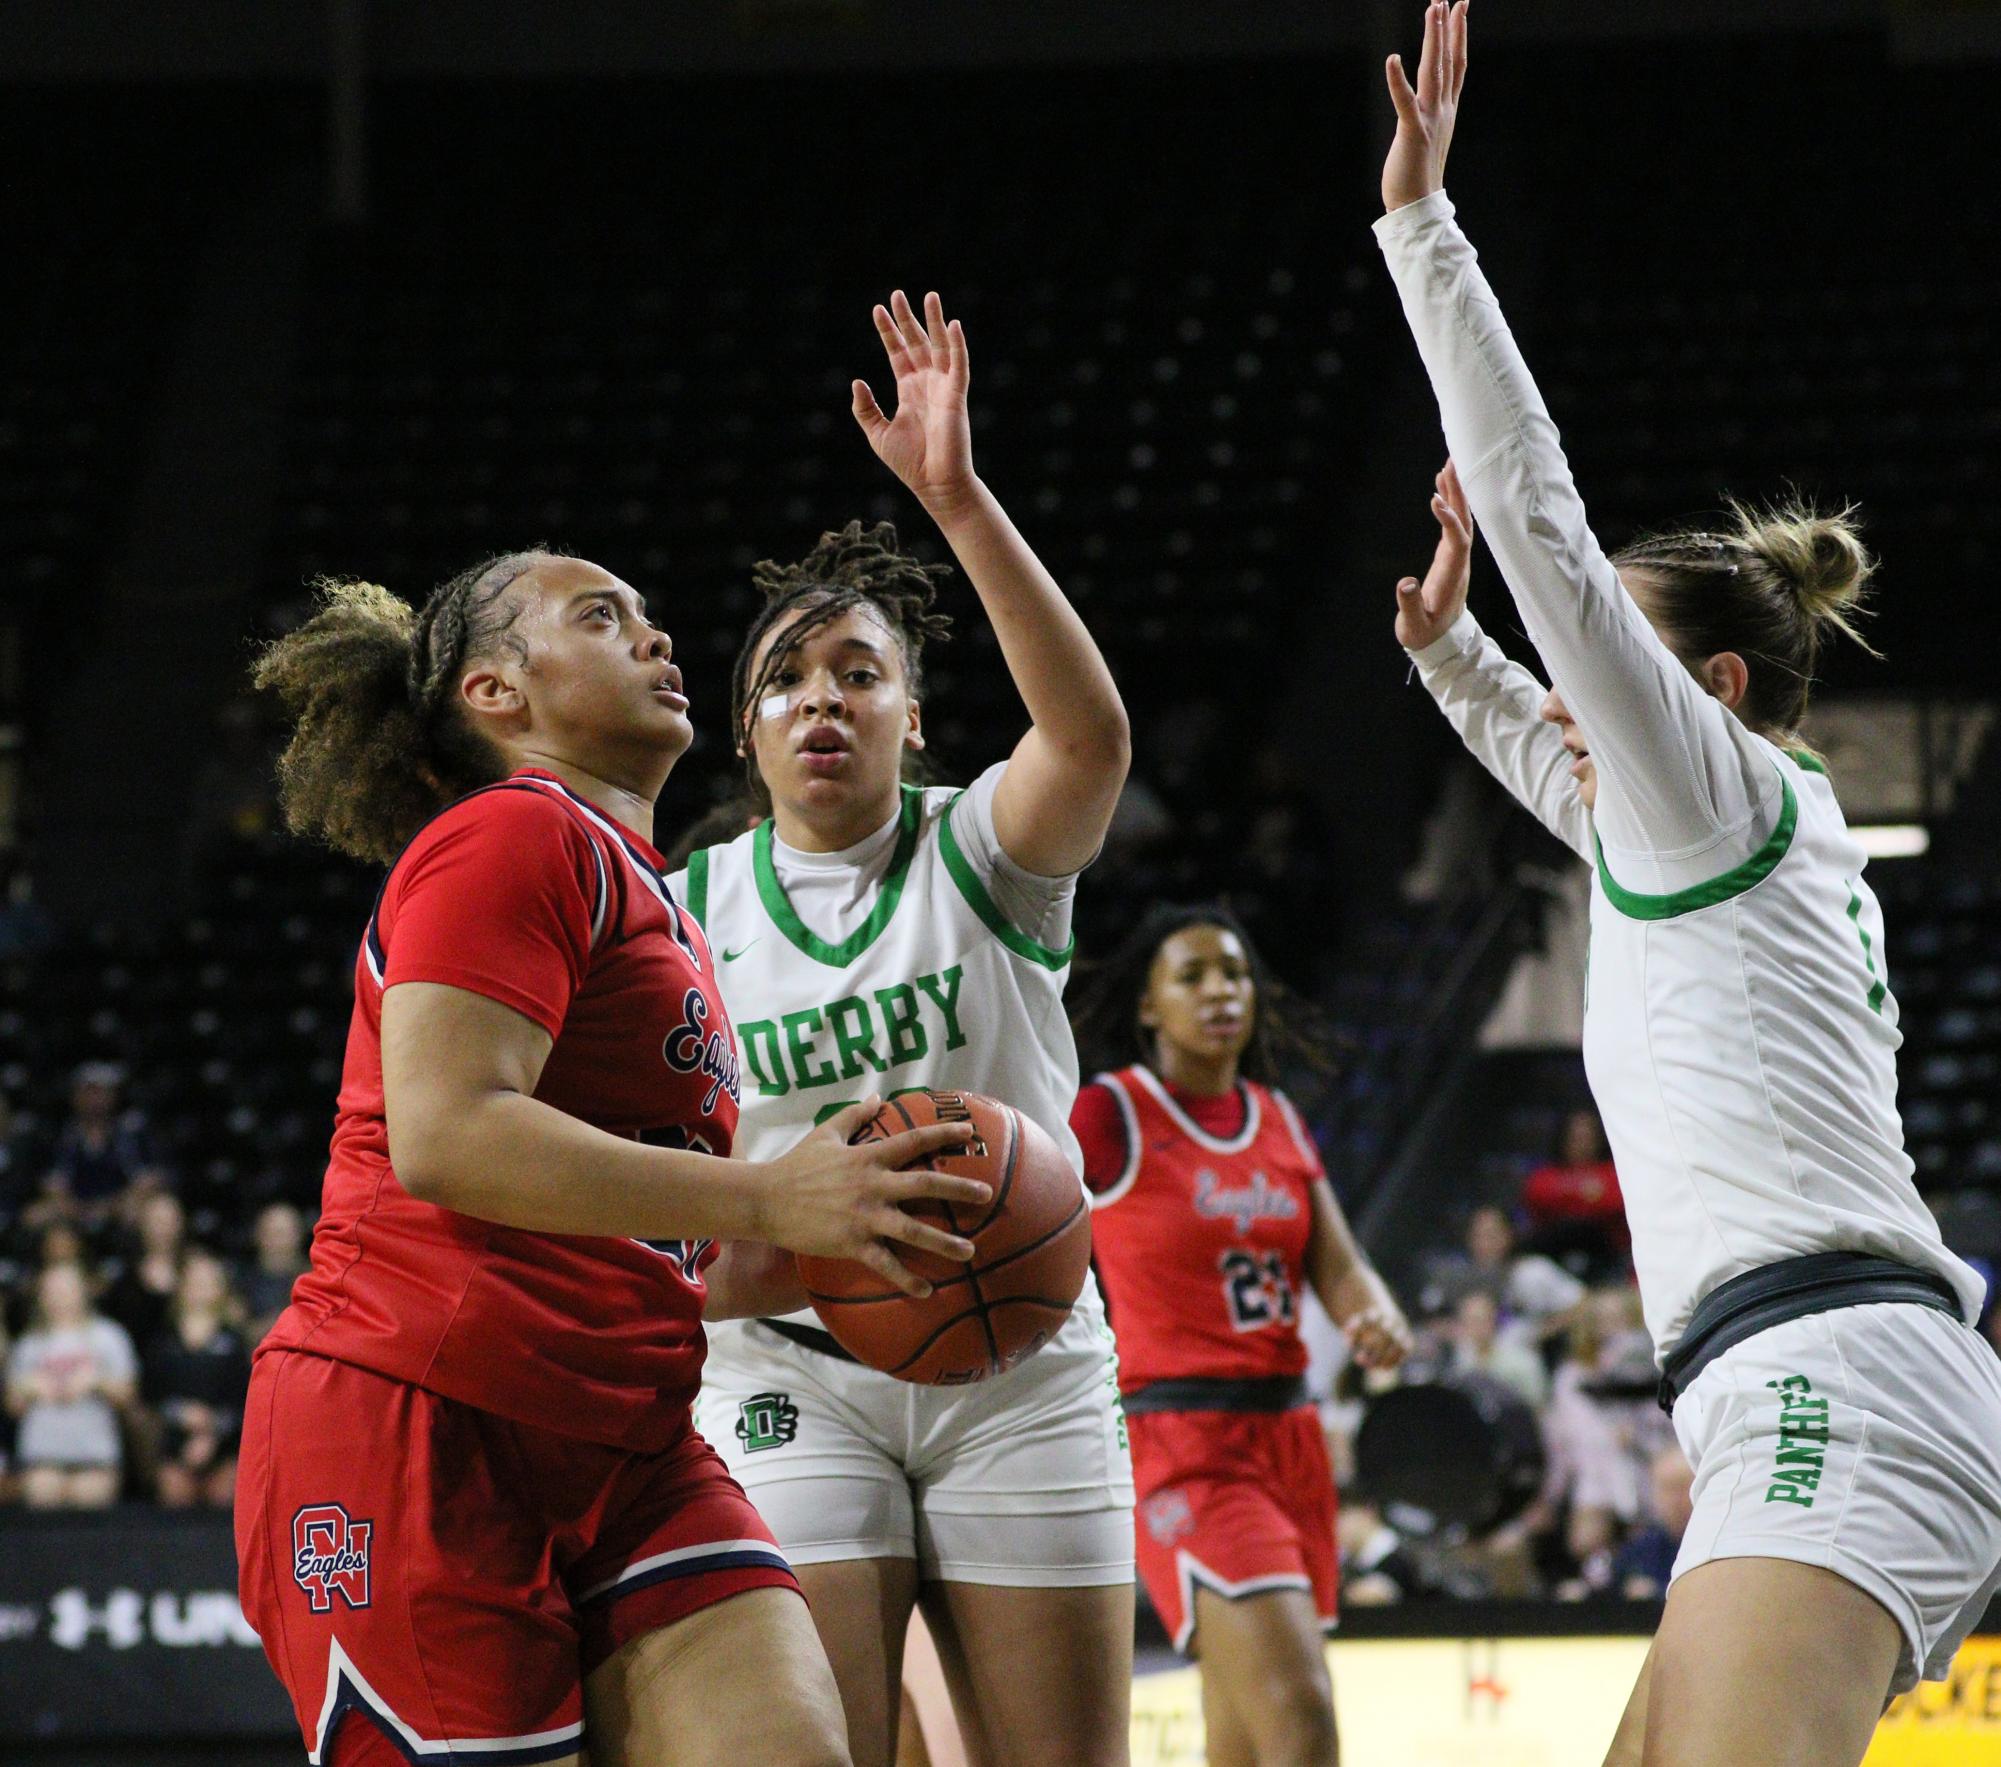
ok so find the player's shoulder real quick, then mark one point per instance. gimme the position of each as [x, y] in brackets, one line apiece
[519, 821]
[933, 802]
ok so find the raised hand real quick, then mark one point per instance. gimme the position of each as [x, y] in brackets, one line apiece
[1425, 610]
[928, 444]
[831, 1199]
[1416, 163]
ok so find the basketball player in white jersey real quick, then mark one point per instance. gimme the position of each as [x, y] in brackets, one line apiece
[1843, 1421]
[873, 936]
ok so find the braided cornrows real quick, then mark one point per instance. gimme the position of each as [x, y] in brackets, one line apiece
[852, 567]
[376, 749]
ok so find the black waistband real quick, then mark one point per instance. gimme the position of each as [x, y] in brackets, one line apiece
[809, 1337]
[1774, 1293]
[1282, 1392]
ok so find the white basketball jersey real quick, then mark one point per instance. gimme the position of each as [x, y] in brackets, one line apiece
[1741, 1040]
[933, 986]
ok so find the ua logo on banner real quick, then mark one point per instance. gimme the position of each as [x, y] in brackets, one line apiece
[330, 1552]
[766, 1420]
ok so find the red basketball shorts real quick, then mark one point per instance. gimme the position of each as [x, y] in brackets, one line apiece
[453, 1576]
[1240, 1503]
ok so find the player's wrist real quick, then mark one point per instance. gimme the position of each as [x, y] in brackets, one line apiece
[956, 503]
[756, 1194]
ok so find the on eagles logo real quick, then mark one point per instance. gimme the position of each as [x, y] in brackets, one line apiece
[330, 1555]
[766, 1420]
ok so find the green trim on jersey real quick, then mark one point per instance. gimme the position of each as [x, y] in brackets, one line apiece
[698, 887]
[1806, 760]
[982, 904]
[1734, 882]
[786, 918]
[1879, 991]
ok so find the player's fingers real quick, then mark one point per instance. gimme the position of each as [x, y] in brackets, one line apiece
[885, 1263]
[1407, 587]
[1459, 18]
[850, 1117]
[924, 1236]
[926, 1185]
[907, 1145]
[867, 412]
[1401, 95]
[915, 343]
[892, 339]
[934, 324]
[1429, 58]
[962, 358]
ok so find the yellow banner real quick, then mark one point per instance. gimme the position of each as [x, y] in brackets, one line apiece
[1545, 1702]
[1957, 1720]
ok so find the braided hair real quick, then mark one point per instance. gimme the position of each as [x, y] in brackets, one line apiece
[849, 568]
[1286, 1029]
[378, 745]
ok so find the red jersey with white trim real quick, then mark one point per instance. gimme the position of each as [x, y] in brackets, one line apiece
[1199, 1237]
[528, 895]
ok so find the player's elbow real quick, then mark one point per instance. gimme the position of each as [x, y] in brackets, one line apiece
[1099, 745]
[423, 1156]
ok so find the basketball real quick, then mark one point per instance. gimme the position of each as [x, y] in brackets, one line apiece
[1032, 1245]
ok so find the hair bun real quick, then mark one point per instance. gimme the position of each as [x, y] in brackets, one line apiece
[1819, 557]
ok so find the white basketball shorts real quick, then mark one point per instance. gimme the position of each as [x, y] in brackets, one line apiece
[1022, 1480]
[1866, 1440]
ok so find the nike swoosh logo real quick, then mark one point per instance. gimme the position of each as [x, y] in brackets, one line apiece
[732, 956]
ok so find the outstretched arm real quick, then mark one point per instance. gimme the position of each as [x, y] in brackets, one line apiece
[1682, 785]
[1056, 797]
[1493, 703]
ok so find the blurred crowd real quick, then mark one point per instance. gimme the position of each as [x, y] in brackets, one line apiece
[1535, 1307]
[126, 1344]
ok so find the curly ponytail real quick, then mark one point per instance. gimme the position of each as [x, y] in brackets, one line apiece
[1771, 585]
[378, 746]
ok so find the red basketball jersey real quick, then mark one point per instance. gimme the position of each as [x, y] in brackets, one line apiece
[1200, 1238]
[527, 894]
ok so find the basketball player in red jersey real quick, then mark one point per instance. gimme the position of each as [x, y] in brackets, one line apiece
[1211, 1211]
[473, 1516]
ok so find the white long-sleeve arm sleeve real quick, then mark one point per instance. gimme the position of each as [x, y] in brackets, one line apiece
[1684, 790]
[1494, 705]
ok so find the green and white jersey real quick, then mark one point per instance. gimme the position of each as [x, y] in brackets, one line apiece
[1740, 1034]
[921, 956]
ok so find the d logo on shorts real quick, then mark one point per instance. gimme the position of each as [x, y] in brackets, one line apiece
[329, 1553]
[766, 1420]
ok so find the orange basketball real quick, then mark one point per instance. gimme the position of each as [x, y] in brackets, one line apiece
[1032, 1245]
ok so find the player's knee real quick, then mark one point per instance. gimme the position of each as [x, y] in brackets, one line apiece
[1298, 1723]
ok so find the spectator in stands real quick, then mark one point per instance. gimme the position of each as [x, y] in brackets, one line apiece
[103, 1158]
[1523, 1285]
[1479, 1346]
[196, 1374]
[140, 1297]
[266, 1288]
[1600, 1429]
[1641, 1568]
[59, 1244]
[68, 1380]
[1377, 1568]
[1573, 1202]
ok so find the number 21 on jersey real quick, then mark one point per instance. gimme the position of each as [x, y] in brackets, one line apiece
[1256, 1289]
